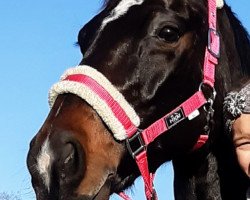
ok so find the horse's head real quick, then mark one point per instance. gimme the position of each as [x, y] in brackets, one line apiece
[152, 51]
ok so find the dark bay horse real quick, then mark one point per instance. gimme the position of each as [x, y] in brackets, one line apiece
[150, 55]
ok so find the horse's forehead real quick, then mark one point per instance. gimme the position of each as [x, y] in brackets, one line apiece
[117, 9]
[121, 9]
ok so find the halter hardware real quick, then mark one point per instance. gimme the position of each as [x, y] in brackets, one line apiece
[208, 107]
[213, 38]
[209, 116]
[211, 98]
[213, 91]
[136, 144]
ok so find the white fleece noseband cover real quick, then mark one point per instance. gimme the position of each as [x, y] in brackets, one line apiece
[100, 106]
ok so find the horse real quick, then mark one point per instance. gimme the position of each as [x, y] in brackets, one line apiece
[145, 58]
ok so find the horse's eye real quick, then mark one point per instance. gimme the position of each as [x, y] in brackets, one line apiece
[169, 34]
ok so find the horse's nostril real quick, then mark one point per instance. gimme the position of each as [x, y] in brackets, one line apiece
[68, 153]
[69, 157]
[71, 167]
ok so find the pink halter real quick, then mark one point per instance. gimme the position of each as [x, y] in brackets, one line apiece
[121, 118]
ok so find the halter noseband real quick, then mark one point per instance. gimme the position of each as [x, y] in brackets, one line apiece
[120, 117]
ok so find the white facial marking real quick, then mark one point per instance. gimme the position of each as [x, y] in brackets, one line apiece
[44, 161]
[120, 10]
[59, 109]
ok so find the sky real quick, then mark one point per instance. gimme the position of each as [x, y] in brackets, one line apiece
[37, 43]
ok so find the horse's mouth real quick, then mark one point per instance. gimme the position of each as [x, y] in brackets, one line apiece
[103, 194]
[113, 185]
[105, 190]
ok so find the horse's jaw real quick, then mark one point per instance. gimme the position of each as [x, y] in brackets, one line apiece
[101, 191]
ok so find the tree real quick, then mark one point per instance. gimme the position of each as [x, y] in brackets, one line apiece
[6, 196]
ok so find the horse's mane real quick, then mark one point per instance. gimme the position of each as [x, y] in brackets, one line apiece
[242, 40]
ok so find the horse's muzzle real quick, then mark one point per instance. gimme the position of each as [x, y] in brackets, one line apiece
[56, 165]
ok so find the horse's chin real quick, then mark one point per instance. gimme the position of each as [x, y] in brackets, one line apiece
[104, 192]
[113, 185]
[104, 189]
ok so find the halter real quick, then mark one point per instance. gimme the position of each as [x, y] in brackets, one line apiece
[89, 84]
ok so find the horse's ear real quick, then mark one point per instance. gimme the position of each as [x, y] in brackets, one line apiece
[219, 4]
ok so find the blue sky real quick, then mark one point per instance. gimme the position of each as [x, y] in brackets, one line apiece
[37, 43]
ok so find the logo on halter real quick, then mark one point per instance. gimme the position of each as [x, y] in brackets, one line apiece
[174, 118]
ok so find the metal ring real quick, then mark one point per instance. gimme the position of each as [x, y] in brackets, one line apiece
[214, 93]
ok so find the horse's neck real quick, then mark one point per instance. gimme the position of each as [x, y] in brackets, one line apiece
[212, 176]
[196, 182]
[212, 172]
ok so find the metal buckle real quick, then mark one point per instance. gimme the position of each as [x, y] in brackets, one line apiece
[136, 144]
[213, 51]
[208, 108]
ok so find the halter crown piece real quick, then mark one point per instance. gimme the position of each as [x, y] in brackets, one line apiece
[92, 86]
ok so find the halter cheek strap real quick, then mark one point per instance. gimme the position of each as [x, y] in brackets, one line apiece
[120, 117]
